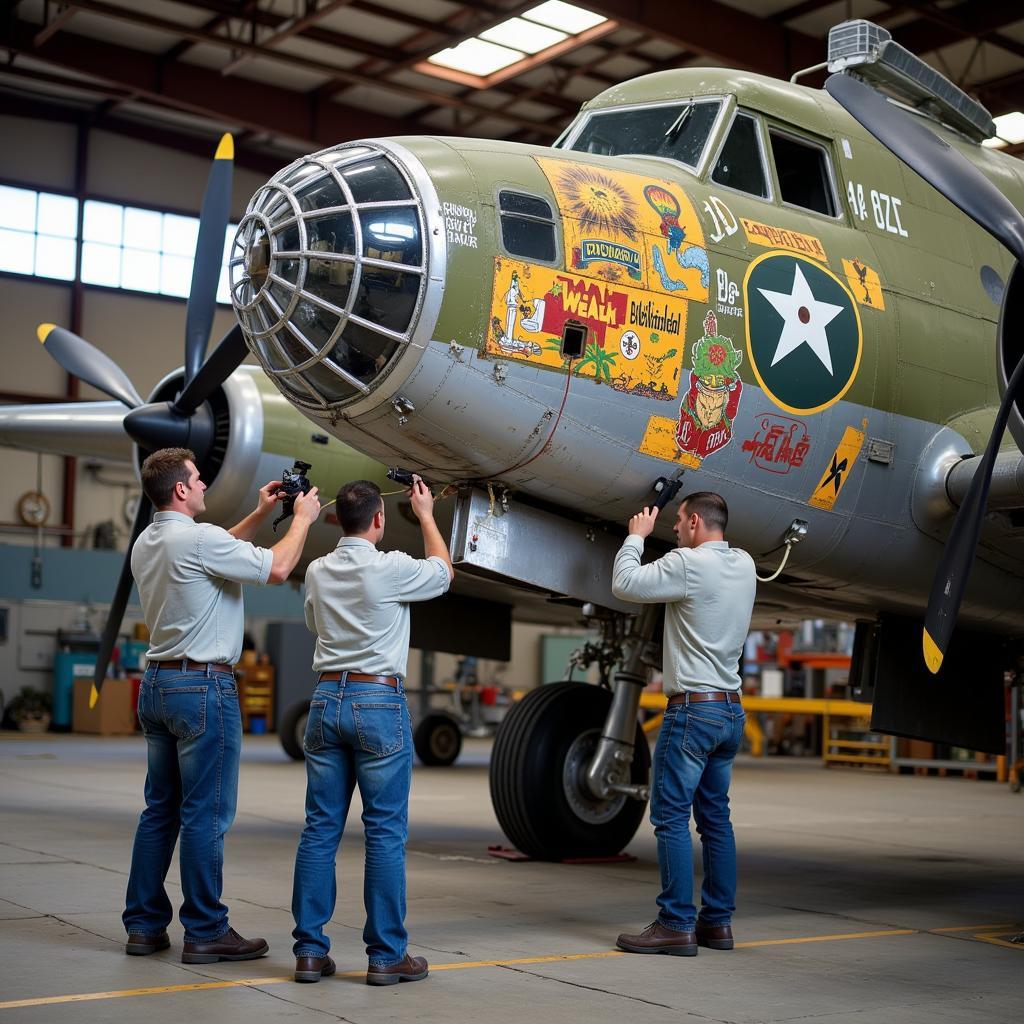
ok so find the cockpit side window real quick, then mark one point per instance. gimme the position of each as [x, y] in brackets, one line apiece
[803, 171]
[678, 131]
[740, 164]
[527, 226]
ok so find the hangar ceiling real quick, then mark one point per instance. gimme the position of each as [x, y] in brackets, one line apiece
[287, 76]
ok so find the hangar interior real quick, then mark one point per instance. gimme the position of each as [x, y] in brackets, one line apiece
[866, 894]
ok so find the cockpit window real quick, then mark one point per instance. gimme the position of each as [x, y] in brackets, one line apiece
[678, 131]
[740, 164]
[527, 226]
[803, 171]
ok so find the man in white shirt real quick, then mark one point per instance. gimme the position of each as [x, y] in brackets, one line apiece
[190, 577]
[708, 589]
[359, 732]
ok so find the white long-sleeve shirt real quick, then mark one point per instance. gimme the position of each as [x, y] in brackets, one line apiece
[709, 597]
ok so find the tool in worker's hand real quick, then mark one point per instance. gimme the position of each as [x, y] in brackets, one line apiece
[293, 483]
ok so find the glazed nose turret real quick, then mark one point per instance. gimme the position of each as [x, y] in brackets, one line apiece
[328, 272]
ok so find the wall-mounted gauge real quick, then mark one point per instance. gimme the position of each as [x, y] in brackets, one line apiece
[33, 508]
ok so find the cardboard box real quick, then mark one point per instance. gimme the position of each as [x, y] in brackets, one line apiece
[113, 715]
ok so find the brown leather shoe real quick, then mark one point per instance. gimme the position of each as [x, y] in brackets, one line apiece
[143, 945]
[714, 936]
[656, 938]
[313, 968]
[230, 946]
[412, 968]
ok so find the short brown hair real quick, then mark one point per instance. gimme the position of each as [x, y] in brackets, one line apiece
[710, 507]
[162, 470]
[357, 503]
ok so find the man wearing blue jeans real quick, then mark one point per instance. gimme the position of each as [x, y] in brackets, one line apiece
[708, 590]
[358, 732]
[190, 578]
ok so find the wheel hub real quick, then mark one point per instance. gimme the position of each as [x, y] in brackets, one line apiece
[584, 805]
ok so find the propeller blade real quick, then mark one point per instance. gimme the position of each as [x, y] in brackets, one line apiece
[955, 177]
[120, 601]
[88, 363]
[222, 362]
[946, 170]
[213, 223]
[955, 568]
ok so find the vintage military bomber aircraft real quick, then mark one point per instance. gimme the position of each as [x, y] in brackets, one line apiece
[714, 280]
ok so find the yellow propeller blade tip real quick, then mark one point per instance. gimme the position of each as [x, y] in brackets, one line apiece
[226, 149]
[94, 696]
[43, 332]
[932, 655]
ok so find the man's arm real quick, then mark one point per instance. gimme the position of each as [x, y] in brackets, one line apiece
[287, 551]
[434, 545]
[663, 580]
[268, 499]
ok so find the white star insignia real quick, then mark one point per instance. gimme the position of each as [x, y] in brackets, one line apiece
[805, 320]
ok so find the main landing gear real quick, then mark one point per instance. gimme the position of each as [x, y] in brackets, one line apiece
[570, 766]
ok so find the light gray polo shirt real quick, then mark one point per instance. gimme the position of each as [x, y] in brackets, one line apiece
[357, 604]
[190, 578]
[709, 597]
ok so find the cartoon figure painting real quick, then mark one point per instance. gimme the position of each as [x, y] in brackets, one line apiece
[689, 256]
[710, 404]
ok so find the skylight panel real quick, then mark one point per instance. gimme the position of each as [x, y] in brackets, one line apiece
[566, 17]
[526, 36]
[1009, 130]
[476, 57]
[517, 44]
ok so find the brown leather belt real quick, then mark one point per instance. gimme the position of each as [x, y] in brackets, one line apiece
[188, 665]
[696, 696]
[359, 677]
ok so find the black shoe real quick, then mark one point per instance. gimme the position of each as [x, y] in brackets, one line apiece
[656, 938]
[412, 968]
[230, 946]
[313, 968]
[143, 945]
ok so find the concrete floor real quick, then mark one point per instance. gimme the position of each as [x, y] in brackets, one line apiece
[862, 898]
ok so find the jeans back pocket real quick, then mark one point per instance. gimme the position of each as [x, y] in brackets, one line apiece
[379, 726]
[313, 739]
[184, 710]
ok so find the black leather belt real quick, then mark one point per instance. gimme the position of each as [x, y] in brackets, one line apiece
[696, 696]
[359, 677]
[188, 665]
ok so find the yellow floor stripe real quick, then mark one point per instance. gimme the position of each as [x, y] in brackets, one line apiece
[1003, 926]
[463, 965]
[828, 938]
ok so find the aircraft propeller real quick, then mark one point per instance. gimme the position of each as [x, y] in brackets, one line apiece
[187, 422]
[952, 175]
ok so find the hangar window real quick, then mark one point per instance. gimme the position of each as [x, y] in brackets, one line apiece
[678, 131]
[527, 226]
[38, 233]
[803, 171]
[143, 250]
[740, 164]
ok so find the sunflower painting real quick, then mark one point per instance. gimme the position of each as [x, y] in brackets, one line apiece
[598, 202]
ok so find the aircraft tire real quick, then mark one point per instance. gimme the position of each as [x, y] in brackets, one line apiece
[292, 728]
[437, 739]
[540, 753]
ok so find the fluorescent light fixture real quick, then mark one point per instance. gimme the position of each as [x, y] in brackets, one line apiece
[476, 57]
[994, 143]
[566, 17]
[1010, 127]
[517, 44]
[523, 35]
